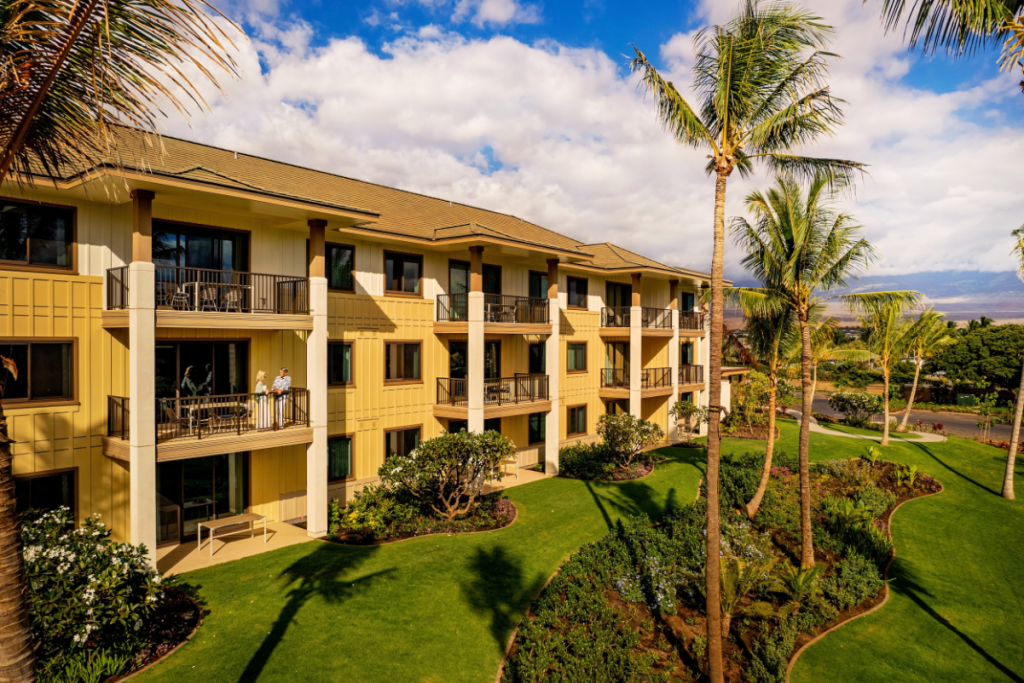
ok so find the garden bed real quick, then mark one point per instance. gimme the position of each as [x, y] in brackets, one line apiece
[759, 433]
[175, 621]
[629, 607]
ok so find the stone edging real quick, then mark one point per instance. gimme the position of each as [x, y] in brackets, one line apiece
[796, 655]
[413, 538]
[133, 674]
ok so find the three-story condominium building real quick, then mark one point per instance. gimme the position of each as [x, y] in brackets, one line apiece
[141, 301]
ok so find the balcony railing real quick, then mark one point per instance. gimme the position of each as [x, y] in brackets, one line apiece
[117, 416]
[452, 391]
[615, 316]
[204, 289]
[614, 378]
[656, 318]
[691, 374]
[522, 388]
[498, 308]
[691, 320]
[656, 378]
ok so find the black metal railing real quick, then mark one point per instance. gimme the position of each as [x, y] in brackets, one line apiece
[452, 392]
[522, 388]
[502, 308]
[615, 378]
[615, 316]
[117, 416]
[691, 374]
[453, 307]
[203, 289]
[691, 320]
[657, 318]
[117, 288]
[204, 416]
[656, 378]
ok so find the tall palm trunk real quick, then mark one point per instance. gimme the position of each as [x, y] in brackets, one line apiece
[1011, 456]
[752, 507]
[885, 412]
[17, 654]
[806, 537]
[913, 393]
[714, 543]
[814, 381]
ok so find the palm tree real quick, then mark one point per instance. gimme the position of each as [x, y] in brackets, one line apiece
[1018, 410]
[69, 69]
[929, 334]
[760, 83]
[797, 248]
[891, 338]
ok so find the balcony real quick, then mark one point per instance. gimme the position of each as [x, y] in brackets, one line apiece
[653, 382]
[200, 297]
[503, 396]
[691, 323]
[654, 322]
[502, 314]
[690, 375]
[210, 425]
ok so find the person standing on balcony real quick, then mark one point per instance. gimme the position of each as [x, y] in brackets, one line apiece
[282, 384]
[188, 387]
[261, 401]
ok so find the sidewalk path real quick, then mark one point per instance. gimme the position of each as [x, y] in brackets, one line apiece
[815, 427]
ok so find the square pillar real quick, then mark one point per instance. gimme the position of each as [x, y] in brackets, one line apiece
[636, 355]
[475, 361]
[674, 361]
[316, 382]
[553, 358]
[142, 409]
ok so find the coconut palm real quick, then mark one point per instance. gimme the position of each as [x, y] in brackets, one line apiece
[801, 250]
[761, 89]
[930, 333]
[1018, 410]
[890, 339]
[69, 69]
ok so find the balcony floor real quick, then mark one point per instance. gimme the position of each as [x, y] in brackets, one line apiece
[504, 410]
[213, 444]
[214, 320]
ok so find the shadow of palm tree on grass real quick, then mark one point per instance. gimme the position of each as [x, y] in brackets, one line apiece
[927, 451]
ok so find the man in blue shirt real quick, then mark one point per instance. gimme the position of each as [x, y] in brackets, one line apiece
[282, 384]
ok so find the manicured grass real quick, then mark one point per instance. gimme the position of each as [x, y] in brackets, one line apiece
[442, 608]
[846, 429]
[433, 609]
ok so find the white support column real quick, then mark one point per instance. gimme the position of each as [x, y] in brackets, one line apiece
[316, 382]
[553, 360]
[673, 367]
[636, 360]
[475, 362]
[142, 409]
[702, 355]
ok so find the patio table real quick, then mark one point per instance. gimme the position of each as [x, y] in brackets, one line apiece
[213, 525]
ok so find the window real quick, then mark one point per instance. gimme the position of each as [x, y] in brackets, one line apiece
[492, 279]
[492, 359]
[577, 421]
[403, 273]
[45, 492]
[193, 246]
[537, 358]
[401, 361]
[537, 427]
[686, 353]
[492, 424]
[36, 235]
[686, 301]
[577, 357]
[339, 458]
[45, 371]
[340, 266]
[686, 396]
[538, 285]
[456, 426]
[339, 363]
[577, 287]
[401, 441]
[618, 295]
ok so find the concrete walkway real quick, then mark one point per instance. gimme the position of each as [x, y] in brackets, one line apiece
[923, 437]
[189, 556]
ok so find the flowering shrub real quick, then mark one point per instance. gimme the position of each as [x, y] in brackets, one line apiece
[84, 590]
[585, 461]
[858, 406]
[626, 436]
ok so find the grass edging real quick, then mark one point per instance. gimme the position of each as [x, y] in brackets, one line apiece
[327, 539]
[124, 677]
[800, 650]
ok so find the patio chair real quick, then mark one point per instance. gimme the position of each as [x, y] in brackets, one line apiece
[208, 299]
[171, 426]
[233, 300]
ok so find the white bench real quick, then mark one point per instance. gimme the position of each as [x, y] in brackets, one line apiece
[215, 524]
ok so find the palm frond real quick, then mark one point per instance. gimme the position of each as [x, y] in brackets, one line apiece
[674, 112]
[872, 302]
[961, 27]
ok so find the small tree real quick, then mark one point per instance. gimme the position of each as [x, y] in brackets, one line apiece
[445, 472]
[858, 406]
[690, 415]
[627, 436]
[752, 397]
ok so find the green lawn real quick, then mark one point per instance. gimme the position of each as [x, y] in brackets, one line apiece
[846, 429]
[442, 608]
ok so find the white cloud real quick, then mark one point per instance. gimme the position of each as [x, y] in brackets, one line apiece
[580, 151]
[495, 13]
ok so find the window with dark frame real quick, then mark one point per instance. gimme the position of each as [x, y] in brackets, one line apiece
[340, 266]
[456, 426]
[577, 292]
[537, 430]
[45, 371]
[686, 301]
[577, 421]
[402, 361]
[492, 424]
[537, 358]
[45, 492]
[576, 360]
[491, 279]
[538, 285]
[403, 273]
[401, 441]
[36, 235]
[339, 458]
[339, 363]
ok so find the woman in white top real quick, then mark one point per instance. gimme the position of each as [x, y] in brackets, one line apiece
[262, 404]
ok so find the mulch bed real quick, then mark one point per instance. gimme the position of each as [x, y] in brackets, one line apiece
[349, 537]
[176, 620]
[760, 433]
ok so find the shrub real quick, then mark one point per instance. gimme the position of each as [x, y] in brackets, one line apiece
[740, 475]
[627, 436]
[85, 593]
[858, 406]
[585, 461]
[446, 473]
[376, 510]
[875, 499]
[690, 416]
[855, 580]
[333, 517]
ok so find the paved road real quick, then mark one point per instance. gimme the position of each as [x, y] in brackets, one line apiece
[960, 424]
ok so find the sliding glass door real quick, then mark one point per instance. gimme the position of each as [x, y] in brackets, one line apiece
[197, 490]
[185, 369]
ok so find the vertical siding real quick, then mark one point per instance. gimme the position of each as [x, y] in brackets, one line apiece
[581, 388]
